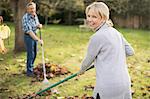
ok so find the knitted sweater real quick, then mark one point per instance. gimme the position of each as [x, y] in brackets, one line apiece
[108, 50]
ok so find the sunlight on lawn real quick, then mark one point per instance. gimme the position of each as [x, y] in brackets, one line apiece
[66, 45]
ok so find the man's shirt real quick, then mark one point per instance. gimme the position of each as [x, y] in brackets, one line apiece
[29, 23]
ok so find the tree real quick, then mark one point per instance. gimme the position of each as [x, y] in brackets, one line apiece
[47, 8]
[5, 9]
[140, 10]
[18, 7]
[70, 9]
[87, 2]
[128, 13]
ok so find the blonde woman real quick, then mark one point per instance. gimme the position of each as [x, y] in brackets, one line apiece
[108, 50]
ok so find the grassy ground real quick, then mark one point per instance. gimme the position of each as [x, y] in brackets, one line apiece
[66, 45]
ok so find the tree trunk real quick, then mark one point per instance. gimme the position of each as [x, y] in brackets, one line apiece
[19, 10]
[69, 17]
[46, 20]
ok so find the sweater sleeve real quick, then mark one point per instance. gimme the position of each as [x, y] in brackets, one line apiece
[94, 47]
[128, 48]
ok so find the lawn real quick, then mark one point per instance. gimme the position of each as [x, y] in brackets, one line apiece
[66, 46]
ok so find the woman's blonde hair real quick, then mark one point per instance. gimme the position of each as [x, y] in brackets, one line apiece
[101, 9]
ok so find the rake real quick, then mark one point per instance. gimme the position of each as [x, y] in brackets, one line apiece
[45, 81]
[57, 83]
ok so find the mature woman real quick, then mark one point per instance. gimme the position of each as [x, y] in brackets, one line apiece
[108, 50]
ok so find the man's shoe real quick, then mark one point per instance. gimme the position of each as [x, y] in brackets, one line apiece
[31, 75]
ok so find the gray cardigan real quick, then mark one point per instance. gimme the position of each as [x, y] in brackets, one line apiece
[108, 49]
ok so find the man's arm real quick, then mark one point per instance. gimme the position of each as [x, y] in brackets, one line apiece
[35, 37]
[28, 30]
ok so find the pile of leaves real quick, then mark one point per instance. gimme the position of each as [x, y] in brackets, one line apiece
[88, 87]
[85, 96]
[52, 70]
[48, 95]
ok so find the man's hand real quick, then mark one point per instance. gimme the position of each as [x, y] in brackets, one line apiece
[41, 41]
[39, 26]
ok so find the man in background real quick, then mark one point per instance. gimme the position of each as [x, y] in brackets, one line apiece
[30, 24]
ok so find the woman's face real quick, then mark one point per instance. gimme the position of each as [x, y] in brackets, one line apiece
[93, 20]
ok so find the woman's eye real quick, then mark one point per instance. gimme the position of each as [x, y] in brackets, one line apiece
[91, 16]
[88, 15]
[94, 17]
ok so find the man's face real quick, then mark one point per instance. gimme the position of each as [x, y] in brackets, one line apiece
[31, 10]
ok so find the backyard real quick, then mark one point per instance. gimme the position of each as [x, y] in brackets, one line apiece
[66, 46]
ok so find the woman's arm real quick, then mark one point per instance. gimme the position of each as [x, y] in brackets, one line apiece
[93, 49]
[128, 48]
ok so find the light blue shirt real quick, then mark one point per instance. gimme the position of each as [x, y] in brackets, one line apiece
[29, 23]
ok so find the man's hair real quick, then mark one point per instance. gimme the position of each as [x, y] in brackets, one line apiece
[30, 3]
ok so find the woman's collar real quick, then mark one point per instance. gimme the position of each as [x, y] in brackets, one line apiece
[101, 25]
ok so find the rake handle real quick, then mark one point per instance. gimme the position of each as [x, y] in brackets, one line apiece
[40, 33]
[66, 79]
[54, 85]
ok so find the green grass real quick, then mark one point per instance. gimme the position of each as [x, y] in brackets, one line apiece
[66, 45]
